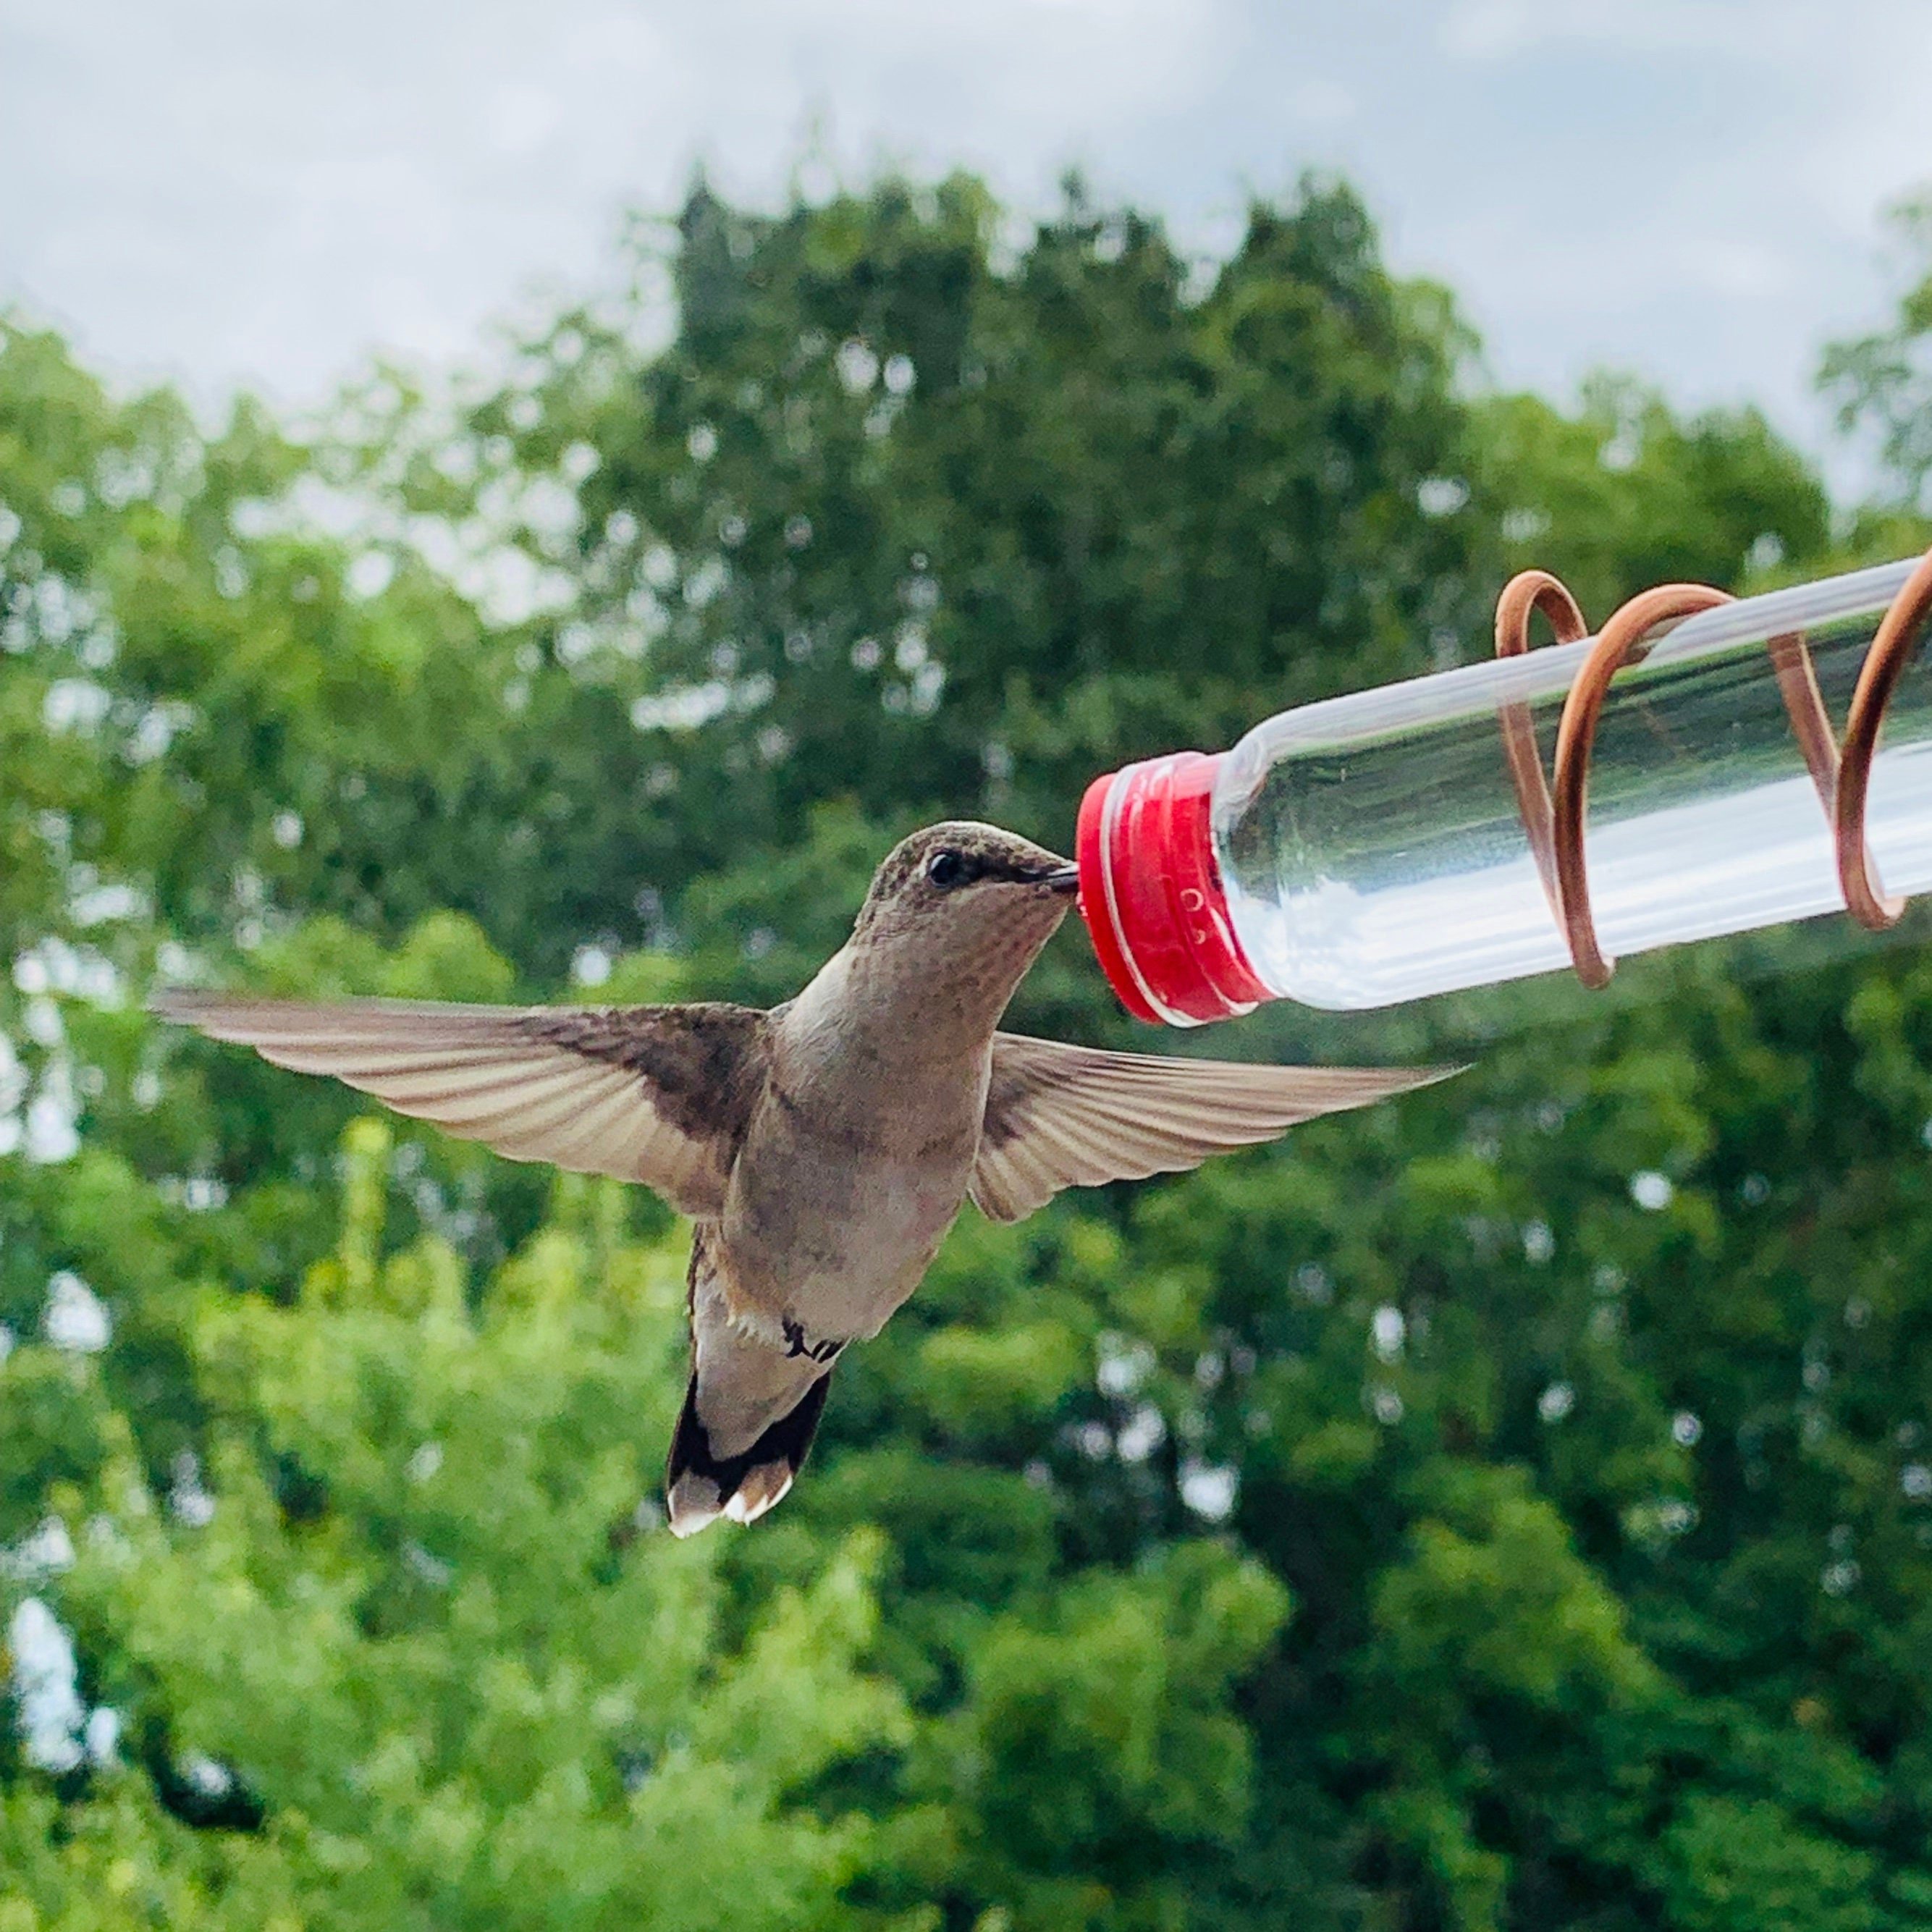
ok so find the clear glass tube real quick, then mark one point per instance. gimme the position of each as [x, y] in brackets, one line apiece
[1373, 849]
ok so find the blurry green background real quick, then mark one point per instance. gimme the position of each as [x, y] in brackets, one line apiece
[1509, 1507]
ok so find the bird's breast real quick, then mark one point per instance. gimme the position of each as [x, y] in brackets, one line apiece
[835, 1212]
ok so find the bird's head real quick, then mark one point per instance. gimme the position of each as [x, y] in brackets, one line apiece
[967, 900]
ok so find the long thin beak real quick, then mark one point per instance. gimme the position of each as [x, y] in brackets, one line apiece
[1065, 880]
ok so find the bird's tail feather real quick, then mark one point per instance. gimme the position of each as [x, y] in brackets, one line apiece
[700, 1487]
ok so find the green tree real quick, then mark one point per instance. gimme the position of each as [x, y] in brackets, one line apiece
[424, 1660]
[1512, 1508]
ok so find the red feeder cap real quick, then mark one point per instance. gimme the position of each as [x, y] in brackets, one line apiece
[1151, 893]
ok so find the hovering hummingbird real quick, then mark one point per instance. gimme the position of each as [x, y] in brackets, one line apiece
[823, 1148]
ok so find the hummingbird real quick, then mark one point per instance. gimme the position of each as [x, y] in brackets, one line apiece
[822, 1148]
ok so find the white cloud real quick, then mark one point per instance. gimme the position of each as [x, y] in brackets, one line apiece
[75, 1319]
[1319, 103]
[1687, 188]
[50, 1710]
[1503, 29]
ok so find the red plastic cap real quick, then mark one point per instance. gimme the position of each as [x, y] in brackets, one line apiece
[1151, 893]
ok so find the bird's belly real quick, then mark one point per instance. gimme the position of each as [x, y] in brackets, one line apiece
[836, 1246]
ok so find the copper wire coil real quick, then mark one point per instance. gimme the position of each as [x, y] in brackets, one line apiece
[1554, 811]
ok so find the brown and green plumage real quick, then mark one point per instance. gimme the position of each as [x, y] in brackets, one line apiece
[823, 1148]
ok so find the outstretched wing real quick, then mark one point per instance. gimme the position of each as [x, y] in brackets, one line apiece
[1060, 1116]
[656, 1094]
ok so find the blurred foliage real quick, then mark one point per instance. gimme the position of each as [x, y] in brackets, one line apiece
[1511, 1507]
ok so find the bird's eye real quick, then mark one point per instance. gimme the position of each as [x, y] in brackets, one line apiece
[945, 870]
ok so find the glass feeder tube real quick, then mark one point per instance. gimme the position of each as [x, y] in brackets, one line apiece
[1401, 842]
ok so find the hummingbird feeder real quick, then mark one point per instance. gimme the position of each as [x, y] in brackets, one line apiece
[1405, 841]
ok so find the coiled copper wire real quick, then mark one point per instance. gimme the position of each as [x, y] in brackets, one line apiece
[1554, 812]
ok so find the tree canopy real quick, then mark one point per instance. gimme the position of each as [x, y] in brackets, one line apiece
[1511, 1507]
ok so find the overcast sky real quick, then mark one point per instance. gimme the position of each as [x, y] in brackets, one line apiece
[238, 191]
